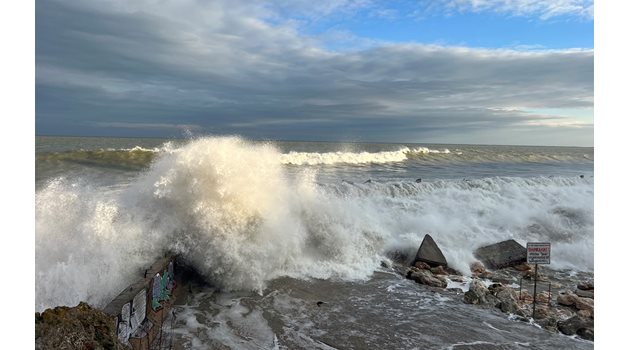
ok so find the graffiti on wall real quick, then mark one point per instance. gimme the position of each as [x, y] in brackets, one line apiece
[162, 286]
[131, 316]
[138, 311]
[123, 323]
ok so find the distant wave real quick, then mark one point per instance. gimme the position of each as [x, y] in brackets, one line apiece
[229, 207]
[313, 158]
[130, 158]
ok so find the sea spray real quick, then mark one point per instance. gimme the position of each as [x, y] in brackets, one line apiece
[231, 208]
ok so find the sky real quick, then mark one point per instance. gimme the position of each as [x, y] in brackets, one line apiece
[442, 71]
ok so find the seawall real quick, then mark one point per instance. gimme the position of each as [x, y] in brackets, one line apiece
[140, 309]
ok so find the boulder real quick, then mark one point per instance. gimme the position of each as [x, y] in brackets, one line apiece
[476, 293]
[508, 302]
[586, 285]
[430, 253]
[584, 304]
[523, 267]
[543, 297]
[477, 267]
[422, 265]
[439, 271]
[456, 278]
[577, 325]
[486, 274]
[503, 254]
[586, 333]
[585, 313]
[398, 256]
[425, 277]
[566, 298]
[585, 294]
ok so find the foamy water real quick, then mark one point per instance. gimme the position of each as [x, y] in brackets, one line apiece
[315, 158]
[244, 215]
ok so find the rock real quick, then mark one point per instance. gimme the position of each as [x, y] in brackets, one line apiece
[438, 271]
[542, 312]
[543, 297]
[566, 298]
[486, 274]
[523, 267]
[494, 288]
[585, 294]
[456, 278]
[502, 254]
[586, 285]
[425, 277]
[576, 324]
[422, 265]
[525, 296]
[550, 323]
[403, 270]
[477, 267]
[476, 293]
[399, 256]
[586, 333]
[529, 275]
[452, 271]
[79, 327]
[430, 253]
[586, 313]
[508, 302]
[584, 304]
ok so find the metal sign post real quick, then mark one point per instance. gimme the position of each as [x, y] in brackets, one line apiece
[538, 253]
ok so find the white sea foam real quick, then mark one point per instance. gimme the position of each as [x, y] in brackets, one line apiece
[314, 158]
[230, 208]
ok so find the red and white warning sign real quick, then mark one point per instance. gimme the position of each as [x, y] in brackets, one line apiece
[538, 253]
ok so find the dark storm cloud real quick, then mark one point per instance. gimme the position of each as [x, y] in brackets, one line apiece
[116, 67]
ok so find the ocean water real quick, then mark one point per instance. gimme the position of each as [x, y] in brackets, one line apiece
[276, 226]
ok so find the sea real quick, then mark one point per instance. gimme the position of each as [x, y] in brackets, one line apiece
[296, 239]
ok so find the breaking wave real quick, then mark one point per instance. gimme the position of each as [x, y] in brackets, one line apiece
[314, 158]
[230, 207]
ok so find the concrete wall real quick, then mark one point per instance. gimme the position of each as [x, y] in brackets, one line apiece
[137, 322]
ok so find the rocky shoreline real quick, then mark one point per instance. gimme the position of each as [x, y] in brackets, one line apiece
[562, 304]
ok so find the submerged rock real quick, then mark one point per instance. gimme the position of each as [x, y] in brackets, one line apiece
[503, 254]
[80, 327]
[581, 326]
[430, 253]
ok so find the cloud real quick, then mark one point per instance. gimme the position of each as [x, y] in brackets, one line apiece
[543, 9]
[220, 66]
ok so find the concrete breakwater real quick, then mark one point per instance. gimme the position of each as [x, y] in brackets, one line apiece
[140, 309]
[132, 320]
